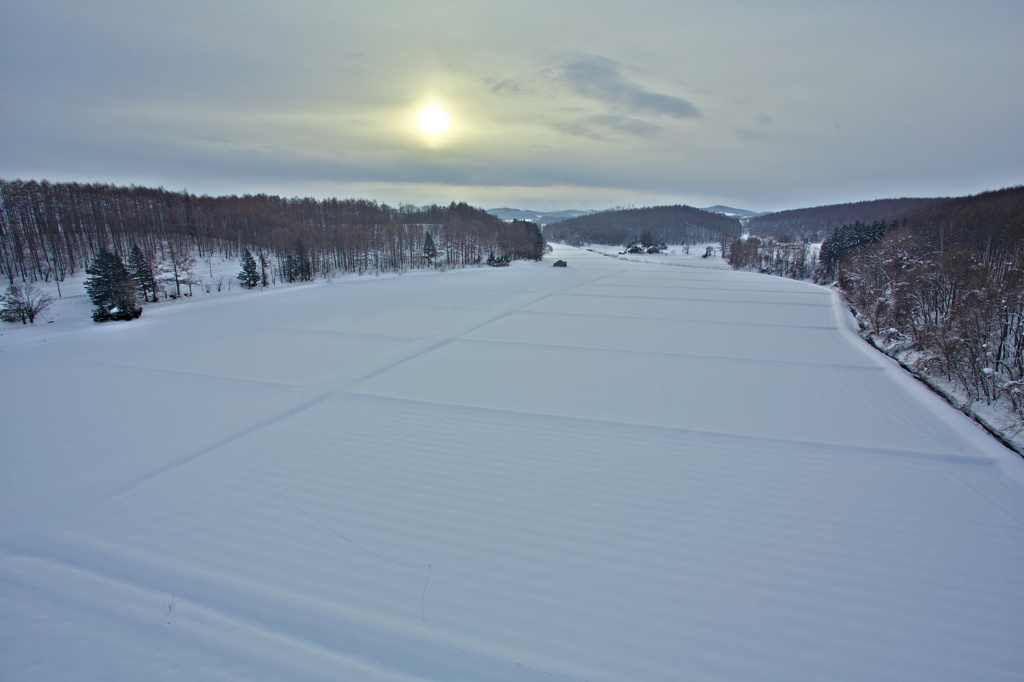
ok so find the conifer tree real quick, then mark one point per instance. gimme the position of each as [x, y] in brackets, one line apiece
[141, 271]
[303, 264]
[264, 282]
[249, 277]
[297, 267]
[429, 248]
[111, 288]
[498, 261]
[538, 245]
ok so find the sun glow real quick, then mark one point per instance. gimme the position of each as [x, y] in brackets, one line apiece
[433, 120]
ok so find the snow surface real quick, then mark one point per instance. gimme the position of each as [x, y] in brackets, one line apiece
[611, 471]
[683, 256]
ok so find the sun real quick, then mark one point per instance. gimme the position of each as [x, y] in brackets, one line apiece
[433, 120]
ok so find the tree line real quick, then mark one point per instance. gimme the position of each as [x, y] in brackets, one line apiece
[773, 257]
[50, 231]
[815, 224]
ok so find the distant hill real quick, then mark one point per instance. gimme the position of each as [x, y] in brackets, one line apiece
[731, 212]
[668, 224]
[814, 224]
[983, 225]
[989, 223]
[541, 218]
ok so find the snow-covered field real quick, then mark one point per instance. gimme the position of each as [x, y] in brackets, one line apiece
[613, 471]
[686, 256]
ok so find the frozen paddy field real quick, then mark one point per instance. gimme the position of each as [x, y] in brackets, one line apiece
[614, 471]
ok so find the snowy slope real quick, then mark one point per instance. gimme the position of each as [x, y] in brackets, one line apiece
[612, 471]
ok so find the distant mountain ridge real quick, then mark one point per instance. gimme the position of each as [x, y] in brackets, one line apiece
[732, 212]
[539, 217]
[549, 217]
[817, 222]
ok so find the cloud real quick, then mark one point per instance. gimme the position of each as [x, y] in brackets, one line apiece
[505, 87]
[601, 79]
[599, 127]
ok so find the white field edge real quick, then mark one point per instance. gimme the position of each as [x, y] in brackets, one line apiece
[613, 471]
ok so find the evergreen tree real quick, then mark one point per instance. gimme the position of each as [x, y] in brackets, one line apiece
[297, 265]
[303, 264]
[844, 240]
[141, 271]
[288, 268]
[498, 261]
[249, 277]
[264, 282]
[429, 248]
[538, 245]
[111, 288]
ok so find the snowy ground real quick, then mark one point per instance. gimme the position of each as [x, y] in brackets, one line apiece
[612, 471]
[690, 256]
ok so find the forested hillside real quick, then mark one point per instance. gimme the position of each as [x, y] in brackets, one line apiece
[943, 288]
[668, 224]
[814, 224]
[49, 231]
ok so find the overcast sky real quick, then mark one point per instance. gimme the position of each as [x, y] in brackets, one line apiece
[553, 104]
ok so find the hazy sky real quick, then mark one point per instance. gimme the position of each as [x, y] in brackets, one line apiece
[763, 105]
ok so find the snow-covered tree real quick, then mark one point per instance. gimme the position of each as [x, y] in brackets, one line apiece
[497, 261]
[111, 288]
[140, 267]
[429, 248]
[249, 276]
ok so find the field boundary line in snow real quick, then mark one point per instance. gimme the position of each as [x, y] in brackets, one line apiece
[184, 372]
[687, 320]
[699, 300]
[958, 405]
[204, 442]
[928, 455]
[974, 429]
[667, 354]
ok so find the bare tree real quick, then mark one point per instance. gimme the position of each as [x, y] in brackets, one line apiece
[179, 271]
[23, 303]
